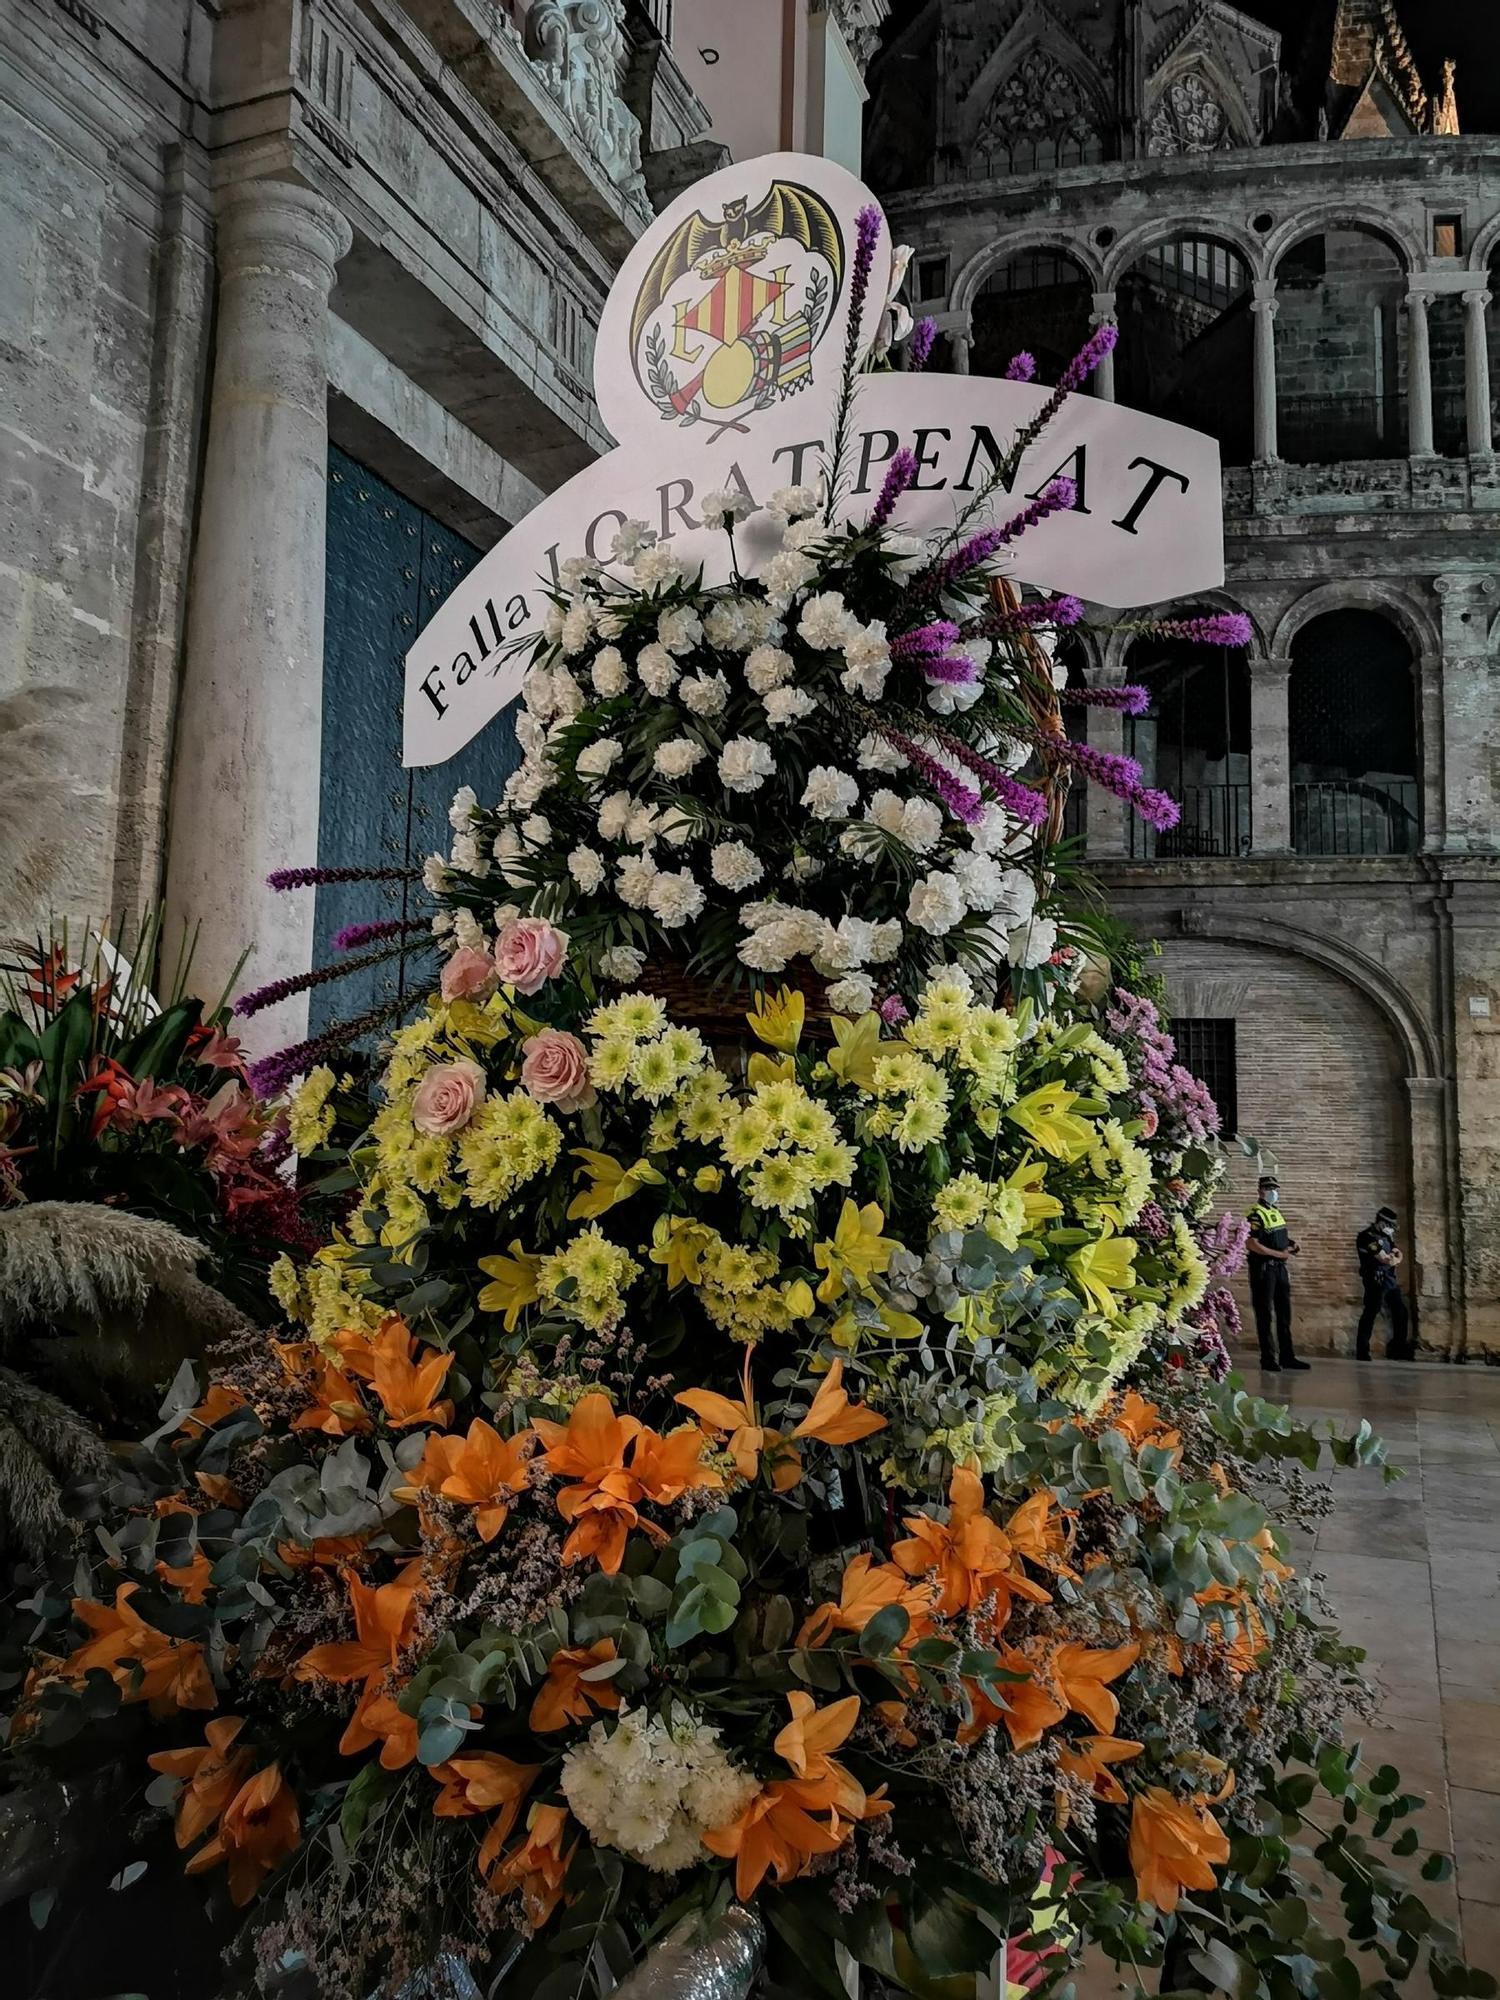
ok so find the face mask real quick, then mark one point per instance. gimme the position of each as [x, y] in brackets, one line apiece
[1272, 1195]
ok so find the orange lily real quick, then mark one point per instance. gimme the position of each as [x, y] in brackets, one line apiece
[591, 1442]
[537, 1868]
[667, 1467]
[379, 1718]
[602, 1503]
[407, 1388]
[192, 1579]
[971, 1559]
[868, 1587]
[1175, 1844]
[481, 1784]
[1082, 1674]
[211, 1774]
[483, 1471]
[833, 1419]
[383, 1621]
[1042, 1532]
[722, 1416]
[145, 1664]
[216, 1405]
[1142, 1423]
[1029, 1707]
[1249, 1641]
[334, 1405]
[325, 1553]
[1088, 1760]
[565, 1696]
[258, 1828]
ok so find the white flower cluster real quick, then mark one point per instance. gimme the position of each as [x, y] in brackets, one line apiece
[652, 1789]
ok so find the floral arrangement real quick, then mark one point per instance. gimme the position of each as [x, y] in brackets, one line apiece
[778, 1468]
[107, 1096]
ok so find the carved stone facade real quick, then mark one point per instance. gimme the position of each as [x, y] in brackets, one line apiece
[236, 236]
[1325, 308]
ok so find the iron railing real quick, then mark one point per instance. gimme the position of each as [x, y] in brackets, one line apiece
[1356, 816]
[1215, 820]
[1322, 430]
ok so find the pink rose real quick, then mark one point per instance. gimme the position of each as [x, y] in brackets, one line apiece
[555, 1070]
[529, 952]
[447, 1098]
[468, 972]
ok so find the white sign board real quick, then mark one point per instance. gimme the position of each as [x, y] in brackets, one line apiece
[718, 364]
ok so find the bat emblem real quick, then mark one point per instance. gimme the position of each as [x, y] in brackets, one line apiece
[731, 311]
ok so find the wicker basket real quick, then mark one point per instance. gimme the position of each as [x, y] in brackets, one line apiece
[718, 1010]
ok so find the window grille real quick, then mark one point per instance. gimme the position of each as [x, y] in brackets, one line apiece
[1205, 1045]
[1352, 711]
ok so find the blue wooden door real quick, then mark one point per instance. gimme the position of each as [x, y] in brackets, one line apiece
[390, 565]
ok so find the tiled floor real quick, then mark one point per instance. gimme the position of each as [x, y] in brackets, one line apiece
[1414, 1572]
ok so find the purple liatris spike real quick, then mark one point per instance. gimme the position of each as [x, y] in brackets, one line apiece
[1220, 628]
[271, 1075]
[311, 878]
[1099, 343]
[262, 997]
[1022, 802]
[1054, 498]
[1130, 700]
[962, 801]
[1122, 776]
[1022, 368]
[1158, 809]
[923, 339]
[352, 936]
[900, 473]
[867, 226]
[952, 669]
[924, 640]
[1059, 611]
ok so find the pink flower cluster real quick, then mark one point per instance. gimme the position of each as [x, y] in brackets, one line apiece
[528, 952]
[1184, 1110]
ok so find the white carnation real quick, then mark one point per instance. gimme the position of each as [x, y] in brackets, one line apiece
[766, 668]
[526, 783]
[622, 962]
[722, 508]
[577, 626]
[805, 534]
[786, 573]
[657, 669]
[630, 539]
[643, 825]
[677, 756]
[634, 880]
[704, 694]
[980, 878]
[434, 874]
[535, 831]
[936, 903]
[853, 994]
[875, 754]
[826, 622]
[804, 868]
[787, 704]
[609, 672]
[657, 565]
[867, 655]
[597, 759]
[614, 815]
[953, 697]
[734, 866]
[675, 897]
[465, 805]
[552, 623]
[1032, 943]
[567, 696]
[577, 570]
[745, 763]
[762, 952]
[789, 503]
[830, 793]
[465, 854]
[725, 627]
[468, 933]
[586, 866]
[679, 629]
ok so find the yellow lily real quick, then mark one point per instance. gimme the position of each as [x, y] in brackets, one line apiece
[680, 1244]
[776, 1019]
[847, 1331]
[1047, 1118]
[610, 1181]
[513, 1284]
[857, 1252]
[770, 1069]
[1102, 1269]
[1027, 1182]
[858, 1045]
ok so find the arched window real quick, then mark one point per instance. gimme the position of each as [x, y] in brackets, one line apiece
[1195, 744]
[1353, 721]
[1186, 339]
[1040, 300]
[1341, 348]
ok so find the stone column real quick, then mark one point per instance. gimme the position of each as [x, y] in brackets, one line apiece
[1477, 373]
[1270, 757]
[960, 344]
[1108, 836]
[246, 765]
[1104, 375]
[1263, 308]
[1471, 712]
[1418, 378]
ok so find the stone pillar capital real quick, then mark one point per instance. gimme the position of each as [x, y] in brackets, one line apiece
[270, 226]
[1104, 309]
[1476, 301]
[1269, 667]
[1418, 302]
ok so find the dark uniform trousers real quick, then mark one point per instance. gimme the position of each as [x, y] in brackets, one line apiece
[1381, 1297]
[1271, 1297]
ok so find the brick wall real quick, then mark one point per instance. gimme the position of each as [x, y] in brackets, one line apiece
[1320, 1086]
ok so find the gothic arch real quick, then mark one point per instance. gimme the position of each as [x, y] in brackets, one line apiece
[1403, 607]
[1151, 235]
[1038, 30]
[1199, 58]
[1369, 976]
[1484, 244]
[995, 255]
[1343, 215]
[1111, 670]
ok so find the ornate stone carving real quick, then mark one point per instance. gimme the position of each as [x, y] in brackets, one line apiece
[579, 48]
[860, 22]
[1188, 119]
[1041, 102]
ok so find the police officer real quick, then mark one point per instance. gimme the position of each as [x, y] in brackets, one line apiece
[1271, 1250]
[1379, 1270]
